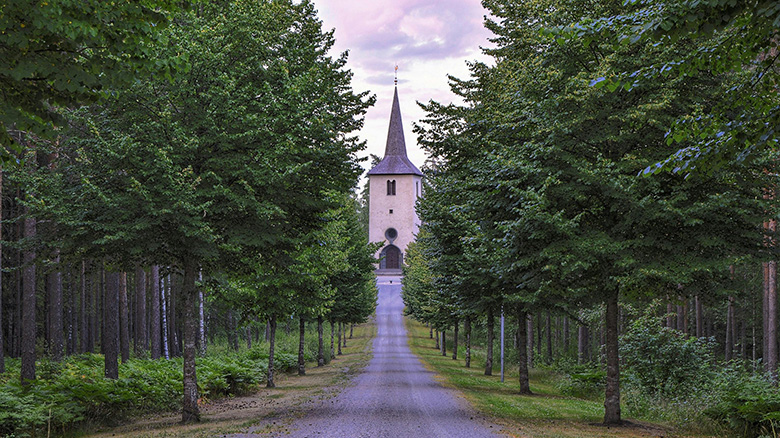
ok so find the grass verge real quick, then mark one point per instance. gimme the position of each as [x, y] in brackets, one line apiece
[546, 414]
[266, 410]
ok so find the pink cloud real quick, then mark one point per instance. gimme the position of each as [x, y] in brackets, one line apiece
[404, 29]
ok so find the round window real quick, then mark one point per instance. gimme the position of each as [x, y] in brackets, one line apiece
[391, 234]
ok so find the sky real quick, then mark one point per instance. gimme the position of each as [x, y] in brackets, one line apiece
[427, 39]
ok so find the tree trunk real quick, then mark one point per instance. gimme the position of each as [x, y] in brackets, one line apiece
[2, 344]
[438, 341]
[729, 344]
[100, 303]
[338, 338]
[54, 288]
[110, 315]
[455, 341]
[140, 311]
[699, 318]
[85, 297]
[680, 317]
[583, 347]
[28, 306]
[301, 346]
[612, 399]
[173, 338]
[16, 338]
[248, 337]
[344, 333]
[71, 314]
[164, 291]
[351, 329]
[201, 320]
[156, 315]
[771, 321]
[332, 332]
[548, 333]
[190, 410]
[430, 327]
[566, 335]
[670, 320]
[489, 353]
[271, 345]
[522, 351]
[765, 309]
[124, 319]
[320, 343]
[530, 327]
[444, 342]
[467, 329]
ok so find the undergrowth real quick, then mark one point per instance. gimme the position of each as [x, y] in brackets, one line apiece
[74, 392]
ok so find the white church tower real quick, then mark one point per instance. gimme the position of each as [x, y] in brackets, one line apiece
[394, 186]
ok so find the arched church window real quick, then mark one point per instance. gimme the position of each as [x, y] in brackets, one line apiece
[391, 187]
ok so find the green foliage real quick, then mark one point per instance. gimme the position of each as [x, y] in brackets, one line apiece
[708, 38]
[581, 380]
[745, 403]
[664, 361]
[65, 53]
[75, 390]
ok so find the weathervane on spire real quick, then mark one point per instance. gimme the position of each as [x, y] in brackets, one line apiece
[396, 74]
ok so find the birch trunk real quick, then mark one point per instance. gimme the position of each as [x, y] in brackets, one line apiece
[612, 392]
[190, 410]
[156, 315]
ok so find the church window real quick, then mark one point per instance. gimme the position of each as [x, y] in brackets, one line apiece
[391, 187]
[417, 188]
[391, 211]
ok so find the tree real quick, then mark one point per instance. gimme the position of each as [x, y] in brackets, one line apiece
[66, 53]
[727, 37]
[209, 171]
[554, 168]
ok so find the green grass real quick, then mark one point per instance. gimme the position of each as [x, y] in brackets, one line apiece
[546, 413]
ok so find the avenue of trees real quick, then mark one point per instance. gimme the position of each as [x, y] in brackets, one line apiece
[612, 170]
[176, 173]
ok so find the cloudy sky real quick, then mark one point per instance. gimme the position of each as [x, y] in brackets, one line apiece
[427, 39]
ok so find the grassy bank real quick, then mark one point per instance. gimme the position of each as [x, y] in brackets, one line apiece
[547, 413]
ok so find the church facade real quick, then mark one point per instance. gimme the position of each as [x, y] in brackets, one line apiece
[394, 186]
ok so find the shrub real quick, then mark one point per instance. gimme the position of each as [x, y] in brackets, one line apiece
[664, 361]
[580, 380]
[745, 403]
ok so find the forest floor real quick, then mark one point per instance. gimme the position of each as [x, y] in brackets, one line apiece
[267, 410]
[545, 414]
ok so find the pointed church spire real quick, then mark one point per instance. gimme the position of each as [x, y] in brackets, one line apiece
[395, 161]
[396, 145]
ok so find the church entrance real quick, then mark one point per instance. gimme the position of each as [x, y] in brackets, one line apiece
[391, 258]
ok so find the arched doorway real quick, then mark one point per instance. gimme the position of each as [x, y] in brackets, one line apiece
[390, 258]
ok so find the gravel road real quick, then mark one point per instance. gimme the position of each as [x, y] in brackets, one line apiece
[394, 395]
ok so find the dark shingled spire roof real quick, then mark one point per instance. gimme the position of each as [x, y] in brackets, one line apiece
[395, 161]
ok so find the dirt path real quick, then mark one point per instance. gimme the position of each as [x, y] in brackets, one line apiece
[394, 396]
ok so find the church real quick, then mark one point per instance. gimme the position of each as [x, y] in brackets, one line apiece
[394, 186]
